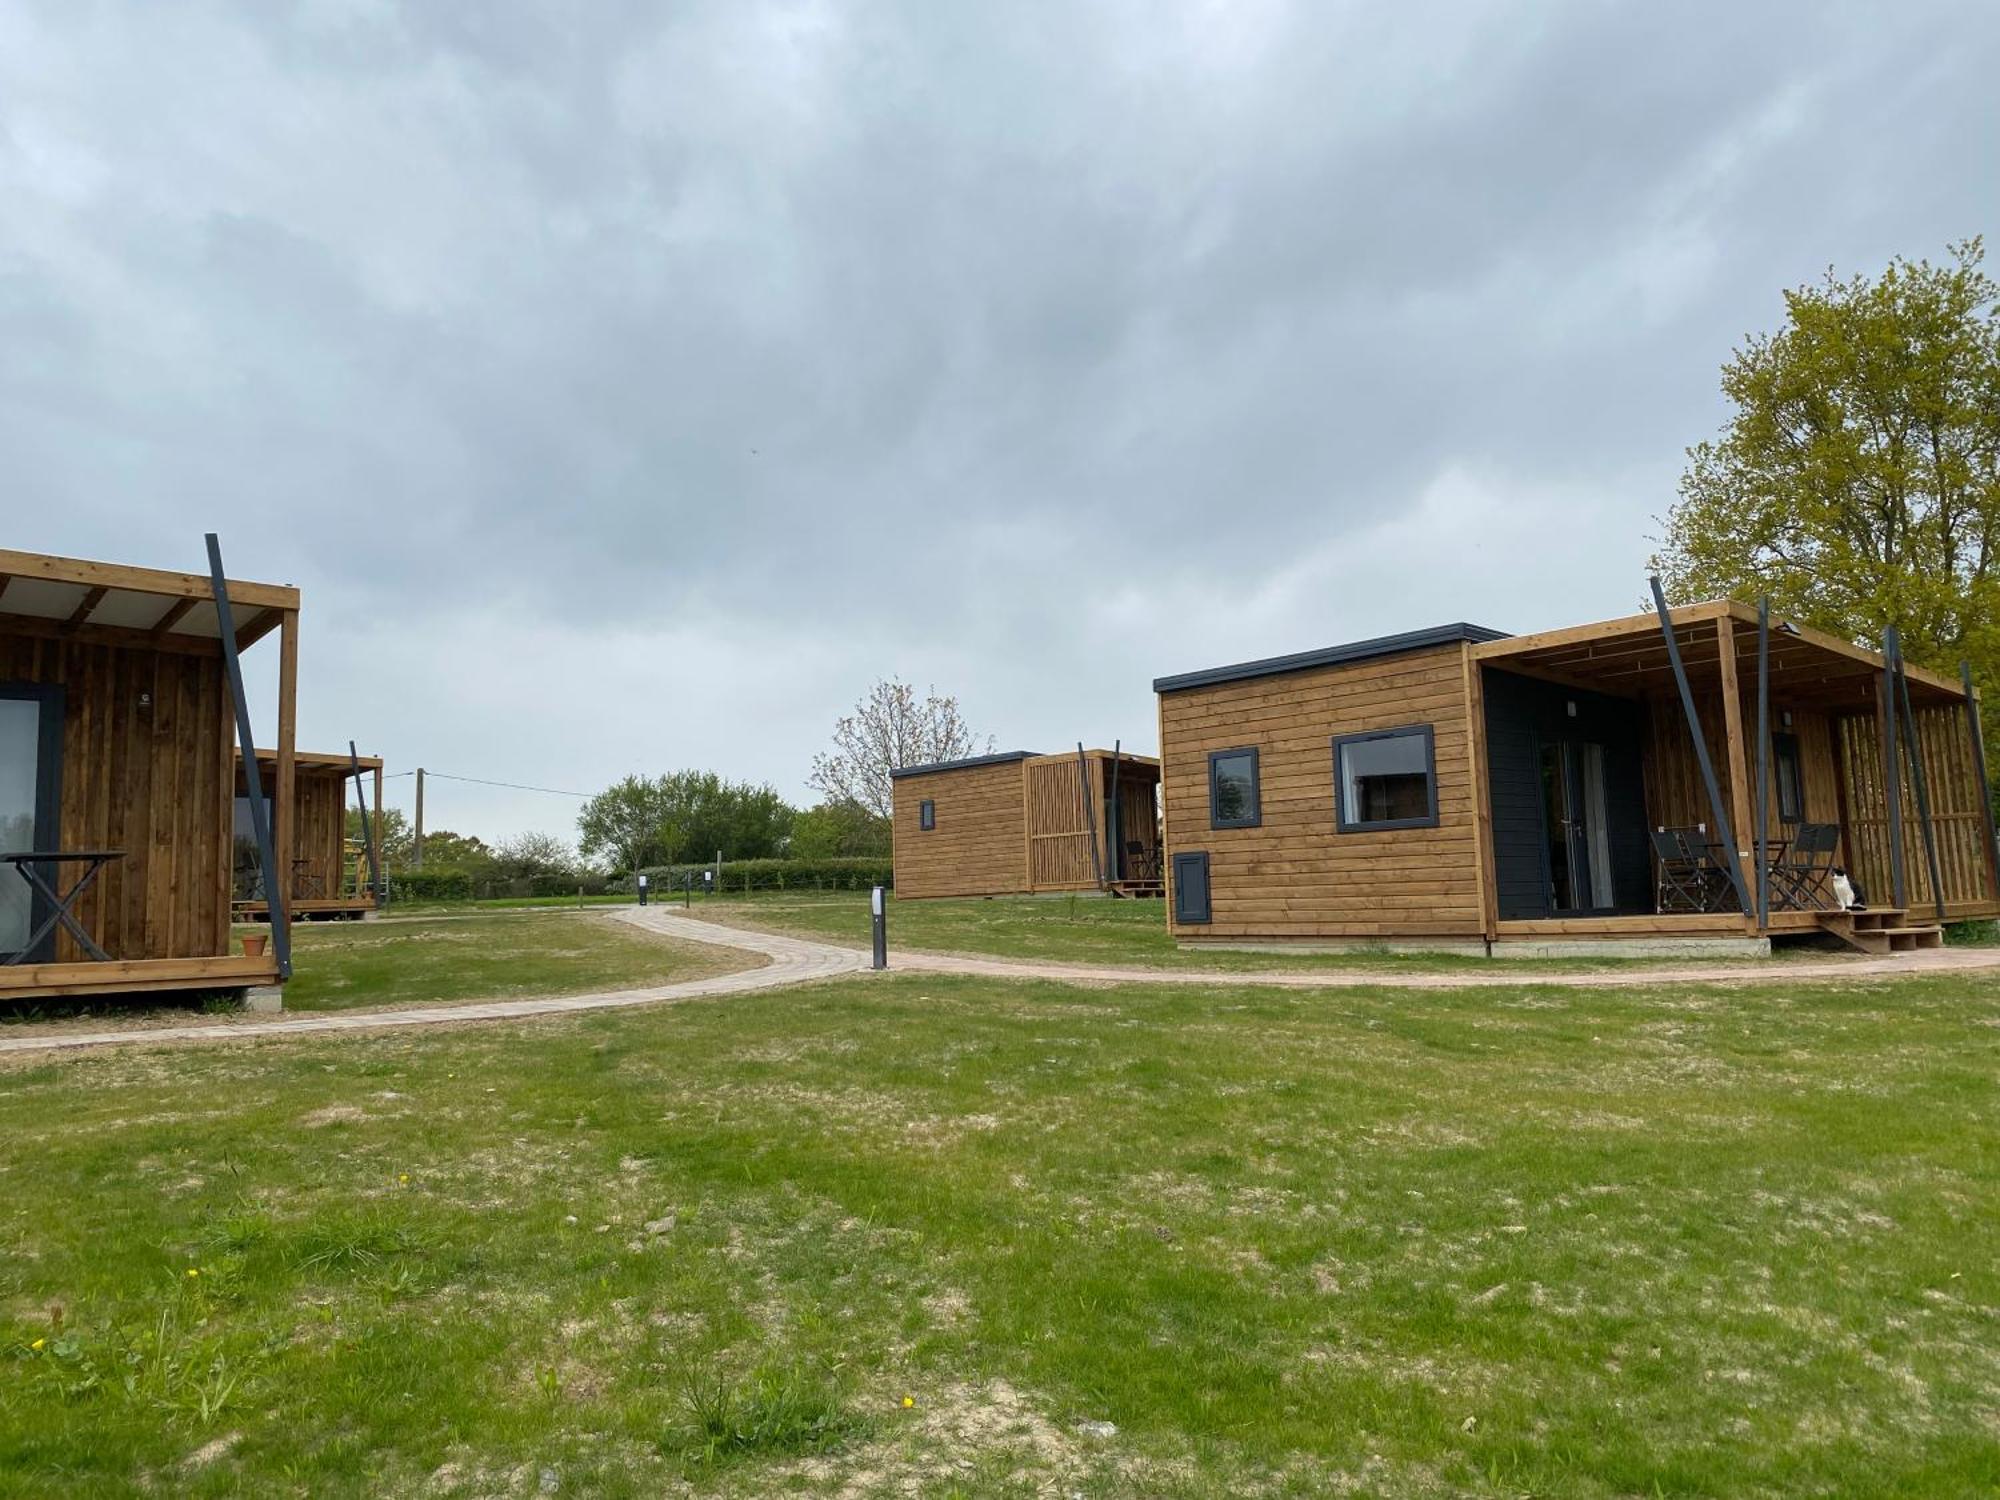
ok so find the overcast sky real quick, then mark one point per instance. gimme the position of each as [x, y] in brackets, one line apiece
[627, 392]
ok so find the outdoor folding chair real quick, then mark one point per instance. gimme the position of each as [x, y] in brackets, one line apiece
[1141, 862]
[1800, 877]
[1687, 874]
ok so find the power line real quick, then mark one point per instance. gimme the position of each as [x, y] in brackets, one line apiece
[512, 786]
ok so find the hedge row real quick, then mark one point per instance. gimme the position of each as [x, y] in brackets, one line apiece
[855, 873]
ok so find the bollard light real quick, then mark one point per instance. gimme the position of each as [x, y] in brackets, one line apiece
[879, 912]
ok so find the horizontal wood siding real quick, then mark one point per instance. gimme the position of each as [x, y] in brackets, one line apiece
[146, 745]
[1295, 876]
[979, 846]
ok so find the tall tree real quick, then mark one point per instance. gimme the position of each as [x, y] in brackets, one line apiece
[837, 829]
[890, 727]
[1858, 483]
[683, 815]
[623, 823]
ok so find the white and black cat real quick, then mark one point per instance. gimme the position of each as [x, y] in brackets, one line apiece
[1847, 894]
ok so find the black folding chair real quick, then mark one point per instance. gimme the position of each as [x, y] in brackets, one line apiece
[1687, 872]
[1141, 863]
[1801, 876]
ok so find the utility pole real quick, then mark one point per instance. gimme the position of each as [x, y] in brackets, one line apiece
[417, 843]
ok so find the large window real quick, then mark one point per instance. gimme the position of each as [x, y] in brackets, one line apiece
[1232, 789]
[1387, 779]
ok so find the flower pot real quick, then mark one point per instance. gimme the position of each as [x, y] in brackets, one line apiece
[253, 945]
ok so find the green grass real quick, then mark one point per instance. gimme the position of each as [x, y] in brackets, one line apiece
[491, 956]
[1588, 1243]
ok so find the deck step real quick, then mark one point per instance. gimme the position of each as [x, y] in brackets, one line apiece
[1880, 930]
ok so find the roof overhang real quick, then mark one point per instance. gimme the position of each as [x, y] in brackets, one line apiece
[930, 768]
[131, 606]
[1628, 657]
[332, 760]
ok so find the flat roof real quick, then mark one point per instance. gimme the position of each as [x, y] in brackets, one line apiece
[79, 595]
[1001, 758]
[1333, 656]
[315, 759]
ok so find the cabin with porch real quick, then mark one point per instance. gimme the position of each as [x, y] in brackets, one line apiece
[119, 711]
[1020, 823]
[334, 877]
[1462, 788]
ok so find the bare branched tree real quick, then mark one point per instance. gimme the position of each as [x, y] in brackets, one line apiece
[891, 727]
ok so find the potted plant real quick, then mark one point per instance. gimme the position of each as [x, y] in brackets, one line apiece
[253, 944]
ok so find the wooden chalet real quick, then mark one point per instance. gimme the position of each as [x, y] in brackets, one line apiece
[1462, 787]
[120, 700]
[1022, 823]
[333, 877]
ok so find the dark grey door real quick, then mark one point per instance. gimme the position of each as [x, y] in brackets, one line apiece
[30, 801]
[1191, 888]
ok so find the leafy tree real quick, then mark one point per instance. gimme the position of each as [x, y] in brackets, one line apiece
[445, 850]
[393, 829]
[1858, 483]
[528, 854]
[623, 823]
[890, 727]
[836, 829]
[685, 815]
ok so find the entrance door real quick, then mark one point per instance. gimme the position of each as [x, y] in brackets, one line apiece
[30, 786]
[1576, 827]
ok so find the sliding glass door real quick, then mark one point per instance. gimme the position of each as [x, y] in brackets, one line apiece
[1576, 827]
[30, 763]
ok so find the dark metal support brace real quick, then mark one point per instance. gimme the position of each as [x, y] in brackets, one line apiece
[1892, 773]
[1113, 819]
[1763, 763]
[1717, 806]
[1913, 747]
[1083, 785]
[367, 828]
[1979, 770]
[253, 778]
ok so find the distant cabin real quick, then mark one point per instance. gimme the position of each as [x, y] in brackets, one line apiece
[1460, 787]
[330, 876]
[1020, 823]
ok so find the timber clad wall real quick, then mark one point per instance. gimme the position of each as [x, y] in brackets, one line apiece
[1295, 876]
[151, 778]
[980, 844]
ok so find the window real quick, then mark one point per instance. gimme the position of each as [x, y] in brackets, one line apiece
[1232, 789]
[1790, 782]
[927, 815]
[1190, 888]
[1387, 779]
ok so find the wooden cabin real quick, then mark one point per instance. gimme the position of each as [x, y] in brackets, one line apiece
[1459, 787]
[1021, 823]
[333, 877]
[117, 729]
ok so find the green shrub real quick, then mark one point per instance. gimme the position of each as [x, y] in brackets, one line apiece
[740, 876]
[430, 885]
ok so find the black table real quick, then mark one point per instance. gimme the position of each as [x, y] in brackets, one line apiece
[93, 861]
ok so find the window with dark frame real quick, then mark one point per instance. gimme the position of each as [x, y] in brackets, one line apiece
[1233, 800]
[927, 815]
[1385, 779]
[1789, 778]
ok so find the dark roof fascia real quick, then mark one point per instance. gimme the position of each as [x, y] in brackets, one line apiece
[899, 772]
[1332, 656]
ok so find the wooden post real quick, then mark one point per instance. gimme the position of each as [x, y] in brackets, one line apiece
[1734, 746]
[1979, 776]
[285, 824]
[1762, 838]
[1892, 779]
[381, 884]
[417, 837]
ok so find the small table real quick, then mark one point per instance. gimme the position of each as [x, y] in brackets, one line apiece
[93, 861]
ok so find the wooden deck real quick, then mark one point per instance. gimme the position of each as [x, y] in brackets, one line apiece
[125, 976]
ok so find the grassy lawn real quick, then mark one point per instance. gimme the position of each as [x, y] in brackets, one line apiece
[491, 956]
[938, 1236]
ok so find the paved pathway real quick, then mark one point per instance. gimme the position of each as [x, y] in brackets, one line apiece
[795, 960]
[792, 961]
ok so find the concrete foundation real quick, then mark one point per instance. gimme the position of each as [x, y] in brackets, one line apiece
[1634, 947]
[264, 999]
[1463, 947]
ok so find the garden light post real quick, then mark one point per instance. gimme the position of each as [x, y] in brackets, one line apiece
[878, 911]
[642, 890]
